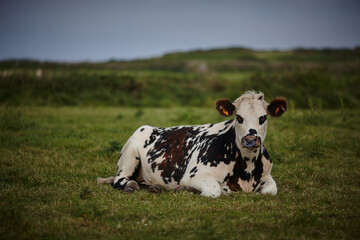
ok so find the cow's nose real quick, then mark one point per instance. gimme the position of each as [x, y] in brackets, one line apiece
[252, 131]
[251, 141]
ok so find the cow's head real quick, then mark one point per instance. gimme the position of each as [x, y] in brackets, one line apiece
[251, 112]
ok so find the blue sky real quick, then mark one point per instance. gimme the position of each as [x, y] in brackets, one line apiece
[101, 30]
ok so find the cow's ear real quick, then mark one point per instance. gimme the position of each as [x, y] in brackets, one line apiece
[277, 107]
[225, 107]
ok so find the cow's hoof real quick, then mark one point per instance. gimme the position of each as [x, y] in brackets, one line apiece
[155, 189]
[144, 185]
[128, 190]
[180, 189]
[188, 189]
[131, 186]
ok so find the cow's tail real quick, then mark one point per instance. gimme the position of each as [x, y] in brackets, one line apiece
[108, 180]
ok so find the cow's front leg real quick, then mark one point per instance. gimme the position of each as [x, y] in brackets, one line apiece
[268, 186]
[210, 187]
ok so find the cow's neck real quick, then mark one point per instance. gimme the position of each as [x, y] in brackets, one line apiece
[246, 155]
[249, 162]
[249, 154]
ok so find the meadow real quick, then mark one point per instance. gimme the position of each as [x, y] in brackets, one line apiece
[63, 128]
[50, 158]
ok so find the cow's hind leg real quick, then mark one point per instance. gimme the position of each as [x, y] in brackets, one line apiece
[128, 169]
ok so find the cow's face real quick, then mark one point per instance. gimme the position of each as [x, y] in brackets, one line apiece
[251, 113]
[251, 122]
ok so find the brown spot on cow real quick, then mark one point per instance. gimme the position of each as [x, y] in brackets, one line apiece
[153, 166]
[172, 146]
[233, 184]
[233, 181]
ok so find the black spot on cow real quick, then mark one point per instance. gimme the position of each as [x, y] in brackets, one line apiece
[233, 181]
[194, 170]
[136, 173]
[177, 175]
[120, 184]
[151, 139]
[240, 173]
[229, 122]
[218, 148]
[237, 173]
[258, 169]
[226, 178]
[172, 145]
[118, 173]
[142, 129]
[153, 166]
[266, 154]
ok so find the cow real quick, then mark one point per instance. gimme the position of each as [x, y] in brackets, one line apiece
[210, 159]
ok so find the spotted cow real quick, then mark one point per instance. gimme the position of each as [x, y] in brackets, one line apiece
[210, 159]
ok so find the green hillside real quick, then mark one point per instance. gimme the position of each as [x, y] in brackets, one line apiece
[309, 78]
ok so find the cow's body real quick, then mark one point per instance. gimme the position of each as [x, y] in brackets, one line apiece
[211, 158]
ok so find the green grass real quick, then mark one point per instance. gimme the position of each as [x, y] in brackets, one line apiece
[50, 155]
[50, 158]
[320, 78]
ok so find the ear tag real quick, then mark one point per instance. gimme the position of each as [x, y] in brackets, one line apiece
[277, 110]
[225, 112]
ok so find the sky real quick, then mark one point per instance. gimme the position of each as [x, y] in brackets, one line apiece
[78, 30]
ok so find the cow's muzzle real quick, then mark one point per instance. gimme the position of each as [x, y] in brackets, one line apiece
[251, 141]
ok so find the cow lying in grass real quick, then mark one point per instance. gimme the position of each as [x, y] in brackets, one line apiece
[210, 159]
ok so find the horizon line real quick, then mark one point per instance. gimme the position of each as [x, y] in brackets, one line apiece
[130, 59]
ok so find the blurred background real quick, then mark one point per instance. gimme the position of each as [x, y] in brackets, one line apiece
[161, 53]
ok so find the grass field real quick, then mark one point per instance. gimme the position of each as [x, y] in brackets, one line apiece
[50, 158]
[308, 78]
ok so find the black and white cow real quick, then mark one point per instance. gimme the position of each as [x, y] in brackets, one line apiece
[210, 159]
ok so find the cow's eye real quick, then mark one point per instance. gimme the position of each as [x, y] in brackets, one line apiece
[262, 119]
[239, 119]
